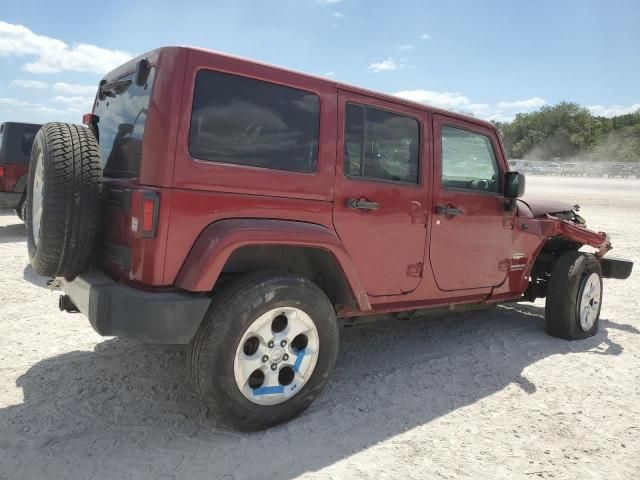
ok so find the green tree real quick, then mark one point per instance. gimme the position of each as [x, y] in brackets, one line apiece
[567, 130]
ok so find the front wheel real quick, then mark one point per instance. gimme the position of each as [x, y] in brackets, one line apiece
[264, 351]
[574, 296]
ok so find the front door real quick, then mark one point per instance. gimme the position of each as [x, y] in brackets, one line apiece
[470, 231]
[380, 199]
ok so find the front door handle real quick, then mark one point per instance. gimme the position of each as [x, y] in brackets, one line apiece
[448, 210]
[362, 204]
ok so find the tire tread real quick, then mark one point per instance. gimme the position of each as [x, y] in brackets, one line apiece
[72, 199]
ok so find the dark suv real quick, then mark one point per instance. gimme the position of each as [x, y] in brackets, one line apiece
[243, 209]
[16, 140]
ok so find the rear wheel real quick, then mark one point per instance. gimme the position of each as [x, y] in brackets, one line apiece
[63, 199]
[264, 351]
[574, 296]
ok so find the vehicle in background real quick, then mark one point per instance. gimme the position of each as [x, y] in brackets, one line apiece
[535, 167]
[594, 170]
[617, 170]
[16, 140]
[242, 209]
[554, 168]
[635, 170]
[571, 169]
[519, 165]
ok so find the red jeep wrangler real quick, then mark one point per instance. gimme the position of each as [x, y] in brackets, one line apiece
[242, 209]
[16, 140]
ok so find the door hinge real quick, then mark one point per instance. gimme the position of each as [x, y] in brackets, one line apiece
[414, 270]
[509, 222]
[504, 265]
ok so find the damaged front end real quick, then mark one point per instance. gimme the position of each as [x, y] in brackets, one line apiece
[561, 229]
[611, 267]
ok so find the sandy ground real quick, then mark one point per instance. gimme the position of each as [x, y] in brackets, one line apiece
[478, 395]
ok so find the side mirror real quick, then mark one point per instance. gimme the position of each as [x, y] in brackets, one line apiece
[143, 68]
[513, 185]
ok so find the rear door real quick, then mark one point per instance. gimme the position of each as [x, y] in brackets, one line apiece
[471, 232]
[380, 201]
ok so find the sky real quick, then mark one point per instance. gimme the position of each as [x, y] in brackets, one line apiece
[489, 58]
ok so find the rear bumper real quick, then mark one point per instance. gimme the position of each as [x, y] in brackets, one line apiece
[115, 309]
[10, 199]
[616, 268]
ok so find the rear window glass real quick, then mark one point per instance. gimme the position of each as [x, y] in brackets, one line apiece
[122, 113]
[245, 121]
[16, 141]
[27, 142]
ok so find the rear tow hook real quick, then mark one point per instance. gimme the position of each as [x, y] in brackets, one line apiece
[65, 304]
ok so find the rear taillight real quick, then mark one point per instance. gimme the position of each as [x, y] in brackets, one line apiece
[144, 213]
[89, 119]
[148, 209]
[1, 171]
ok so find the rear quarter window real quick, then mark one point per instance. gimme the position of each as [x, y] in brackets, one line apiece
[244, 121]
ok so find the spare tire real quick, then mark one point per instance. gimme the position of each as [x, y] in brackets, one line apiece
[64, 199]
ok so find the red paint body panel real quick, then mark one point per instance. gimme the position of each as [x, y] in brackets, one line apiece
[401, 256]
[194, 211]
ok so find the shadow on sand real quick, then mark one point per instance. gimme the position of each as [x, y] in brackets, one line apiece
[13, 233]
[127, 410]
[30, 275]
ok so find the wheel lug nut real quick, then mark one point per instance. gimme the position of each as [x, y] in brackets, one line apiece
[265, 358]
[270, 344]
[283, 343]
[285, 357]
[274, 367]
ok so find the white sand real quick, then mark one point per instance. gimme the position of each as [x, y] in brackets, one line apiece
[479, 395]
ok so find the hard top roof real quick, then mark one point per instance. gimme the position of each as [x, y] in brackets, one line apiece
[349, 87]
[130, 65]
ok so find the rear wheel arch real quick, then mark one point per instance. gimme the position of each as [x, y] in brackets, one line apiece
[316, 264]
[228, 247]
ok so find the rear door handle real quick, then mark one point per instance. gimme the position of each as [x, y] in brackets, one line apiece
[362, 204]
[448, 210]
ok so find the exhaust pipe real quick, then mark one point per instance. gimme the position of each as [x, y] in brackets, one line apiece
[65, 304]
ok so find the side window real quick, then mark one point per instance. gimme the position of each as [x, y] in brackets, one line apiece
[468, 161]
[381, 145]
[250, 122]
